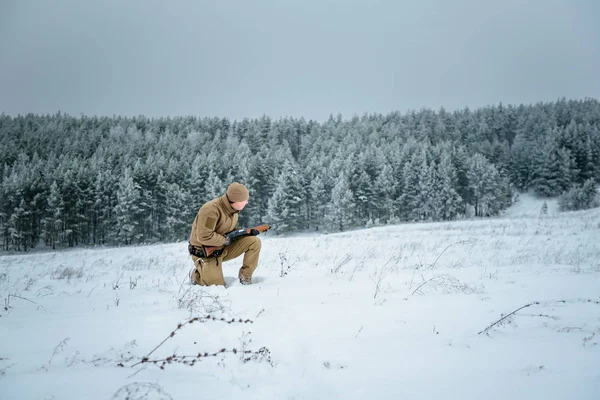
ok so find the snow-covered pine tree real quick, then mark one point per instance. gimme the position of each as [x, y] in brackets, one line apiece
[489, 190]
[554, 169]
[595, 150]
[360, 186]
[53, 223]
[176, 225]
[416, 194]
[383, 193]
[198, 179]
[214, 187]
[105, 199]
[585, 155]
[17, 227]
[567, 170]
[580, 197]
[70, 194]
[520, 162]
[429, 186]
[146, 184]
[410, 180]
[340, 208]
[86, 175]
[126, 209]
[285, 210]
[319, 199]
[263, 169]
[448, 201]
[374, 162]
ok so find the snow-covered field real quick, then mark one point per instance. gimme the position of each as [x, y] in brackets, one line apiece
[383, 313]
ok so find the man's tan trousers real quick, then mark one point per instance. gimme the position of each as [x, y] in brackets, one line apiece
[209, 271]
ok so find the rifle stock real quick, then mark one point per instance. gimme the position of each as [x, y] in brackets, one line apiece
[208, 251]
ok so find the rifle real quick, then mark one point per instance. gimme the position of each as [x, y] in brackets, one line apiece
[233, 235]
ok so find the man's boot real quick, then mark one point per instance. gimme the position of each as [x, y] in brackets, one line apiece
[244, 280]
[194, 276]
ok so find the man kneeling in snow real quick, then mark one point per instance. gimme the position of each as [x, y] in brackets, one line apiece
[211, 225]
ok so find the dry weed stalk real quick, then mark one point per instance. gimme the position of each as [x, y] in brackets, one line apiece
[449, 284]
[535, 303]
[247, 355]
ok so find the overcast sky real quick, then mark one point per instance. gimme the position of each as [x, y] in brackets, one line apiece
[308, 58]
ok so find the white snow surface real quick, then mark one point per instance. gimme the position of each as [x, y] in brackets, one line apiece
[384, 313]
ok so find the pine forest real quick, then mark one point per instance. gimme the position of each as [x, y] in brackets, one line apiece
[81, 181]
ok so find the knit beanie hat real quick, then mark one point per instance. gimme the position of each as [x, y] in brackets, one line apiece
[237, 192]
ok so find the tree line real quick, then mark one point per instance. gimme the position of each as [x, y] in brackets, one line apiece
[89, 180]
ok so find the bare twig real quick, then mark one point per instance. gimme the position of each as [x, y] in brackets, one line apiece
[377, 281]
[359, 331]
[380, 273]
[449, 284]
[59, 347]
[423, 284]
[356, 267]
[547, 303]
[132, 283]
[508, 315]
[181, 325]
[284, 260]
[4, 369]
[200, 301]
[22, 298]
[115, 285]
[343, 262]
[440, 255]
[88, 296]
[190, 359]
[447, 247]
[141, 390]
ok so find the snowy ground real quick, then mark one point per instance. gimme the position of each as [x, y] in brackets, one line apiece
[383, 313]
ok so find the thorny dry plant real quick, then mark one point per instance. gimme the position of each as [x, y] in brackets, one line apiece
[262, 354]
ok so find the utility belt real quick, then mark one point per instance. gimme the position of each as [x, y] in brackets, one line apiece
[201, 252]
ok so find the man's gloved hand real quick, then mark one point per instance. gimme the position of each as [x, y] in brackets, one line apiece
[254, 232]
[227, 240]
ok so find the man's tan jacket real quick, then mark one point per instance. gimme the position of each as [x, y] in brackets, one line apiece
[214, 219]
